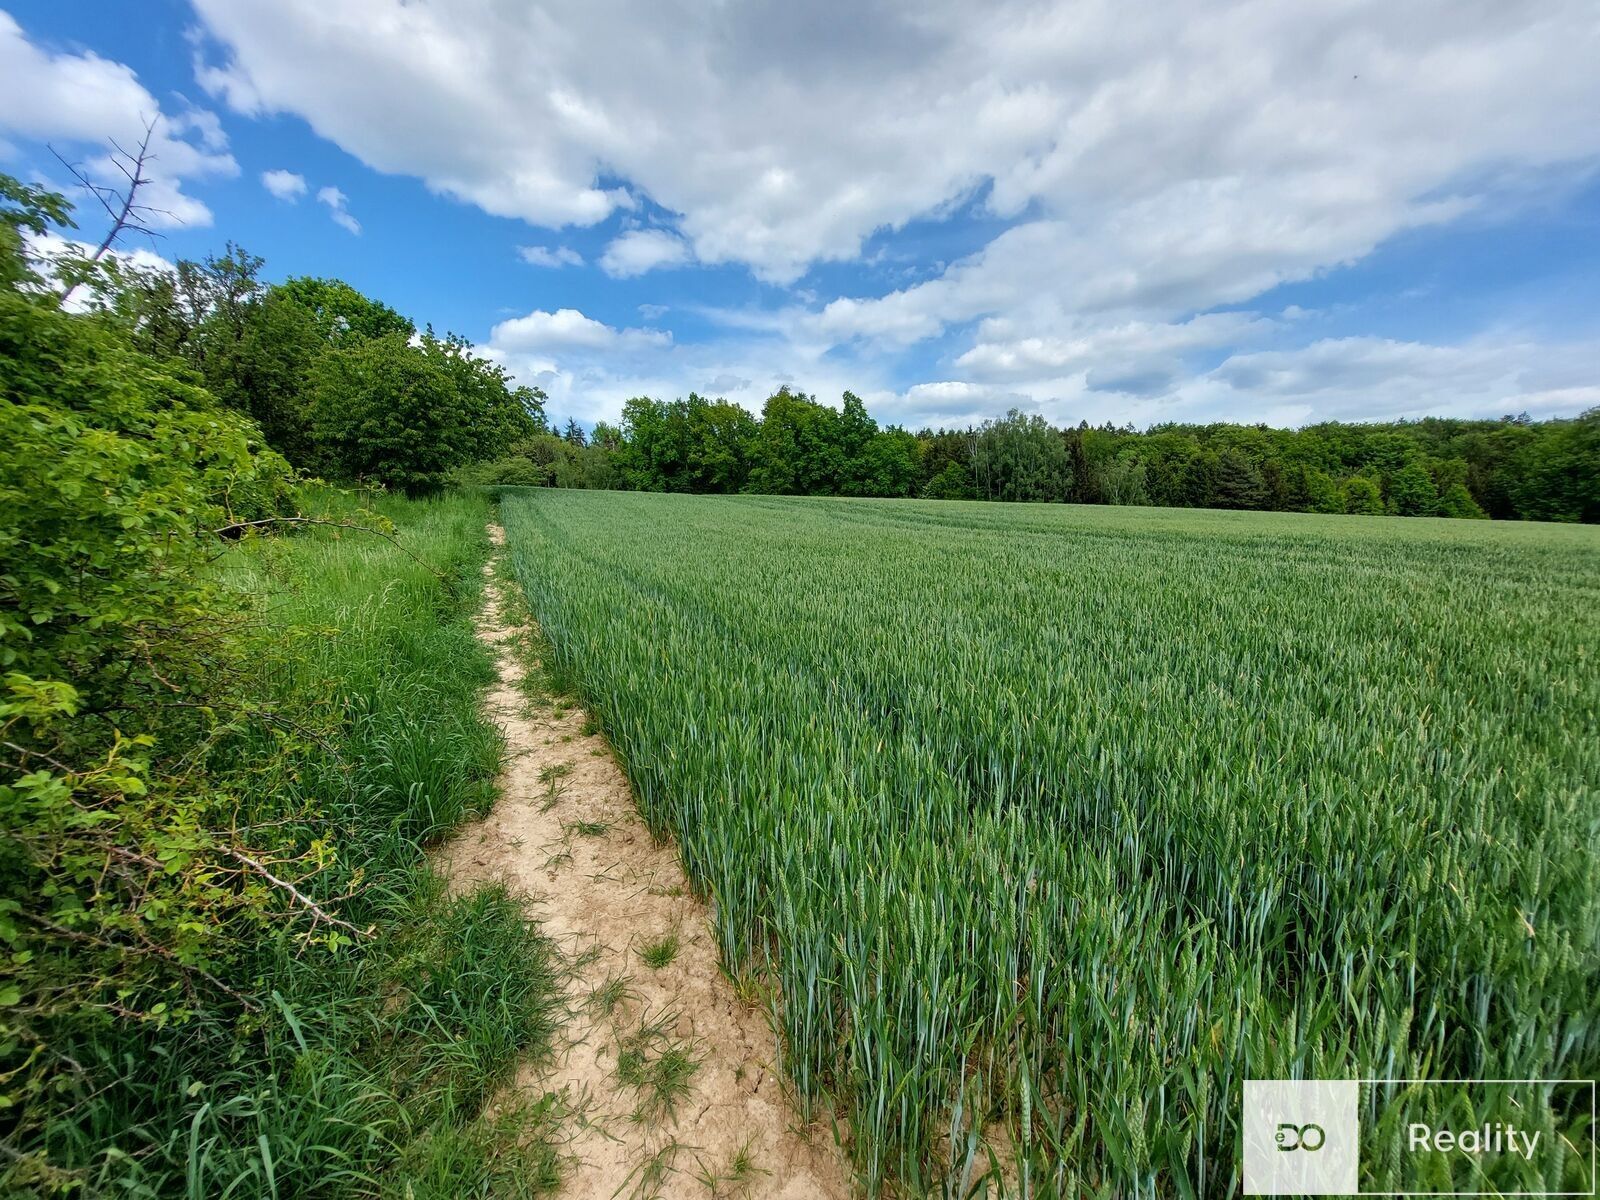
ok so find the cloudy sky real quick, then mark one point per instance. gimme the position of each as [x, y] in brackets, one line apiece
[1252, 211]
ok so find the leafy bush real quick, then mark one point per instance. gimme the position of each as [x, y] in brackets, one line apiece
[1362, 496]
[284, 1046]
[404, 416]
[115, 483]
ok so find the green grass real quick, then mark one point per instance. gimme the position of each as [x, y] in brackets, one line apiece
[368, 1068]
[1073, 819]
[658, 1067]
[660, 952]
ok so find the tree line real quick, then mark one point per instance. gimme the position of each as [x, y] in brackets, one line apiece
[1508, 469]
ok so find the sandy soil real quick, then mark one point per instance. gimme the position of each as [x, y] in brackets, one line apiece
[566, 835]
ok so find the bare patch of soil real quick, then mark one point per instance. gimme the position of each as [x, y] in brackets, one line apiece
[667, 1075]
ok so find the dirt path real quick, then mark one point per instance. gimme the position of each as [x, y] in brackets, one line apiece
[667, 1073]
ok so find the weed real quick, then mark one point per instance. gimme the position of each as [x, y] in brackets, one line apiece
[658, 1067]
[660, 952]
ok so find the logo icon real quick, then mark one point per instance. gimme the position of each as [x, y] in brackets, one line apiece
[1301, 1137]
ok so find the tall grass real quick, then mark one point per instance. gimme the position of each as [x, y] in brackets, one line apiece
[366, 1068]
[1053, 825]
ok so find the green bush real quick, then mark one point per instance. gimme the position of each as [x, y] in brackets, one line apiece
[403, 415]
[1362, 497]
[117, 647]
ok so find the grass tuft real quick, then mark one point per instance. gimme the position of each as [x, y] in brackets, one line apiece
[661, 952]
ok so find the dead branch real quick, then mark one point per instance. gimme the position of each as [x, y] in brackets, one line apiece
[299, 897]
[122, 206]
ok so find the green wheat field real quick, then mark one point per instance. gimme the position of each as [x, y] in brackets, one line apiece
[1044, 827]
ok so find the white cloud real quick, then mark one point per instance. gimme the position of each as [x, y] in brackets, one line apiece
[568, 329]
[46, 248]
[589, 369]
[641, 250]
[1271, 133]
[337, 203]
[1142, 166]
[81, 102]
[1369, 378]
[285, 185]
[550, 256]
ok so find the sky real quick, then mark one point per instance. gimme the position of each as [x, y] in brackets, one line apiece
[1244, 210]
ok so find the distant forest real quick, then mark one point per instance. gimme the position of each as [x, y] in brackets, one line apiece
[1513, 468]
[345, 388]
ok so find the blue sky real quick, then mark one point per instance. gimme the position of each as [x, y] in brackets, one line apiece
[1266, 213]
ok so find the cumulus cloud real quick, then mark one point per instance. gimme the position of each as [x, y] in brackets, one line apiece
[589, 369]
[47, 249]
[1138, 168]
[641, 250]
[809, 127]
[337, 203]
[83, 100]
[568, 329]
[550, 256]
[285, 185]
[1367, 378]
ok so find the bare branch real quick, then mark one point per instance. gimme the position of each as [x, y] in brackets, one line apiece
[300, 898]
[123, 207]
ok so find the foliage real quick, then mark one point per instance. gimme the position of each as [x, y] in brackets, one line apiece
[1512, 468]
[1362, 496]
[1122, 480]
[116, 474]
[1018, 457]
[1052, 825]
[309, 1057]
[1412, 492]
[341, 313]
[404, 416]
[953, 482]
[25, 210]
[226, 970]
[1557, 477]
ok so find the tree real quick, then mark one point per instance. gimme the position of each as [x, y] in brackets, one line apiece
[1458, 502]
[74, 270]
[1122, 481]
[720, 438]
[1411, 491]
[937, 450]
[268, 373]
[1018, 457]
[1556, 476]
[953, 482]
[654, 453]
[1362, 496]
[26, 210]
[855, 431]
[404, 416]
[888, 466]
[342, 313]
[1321, 491]
[1238, 482]
[800, 448]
